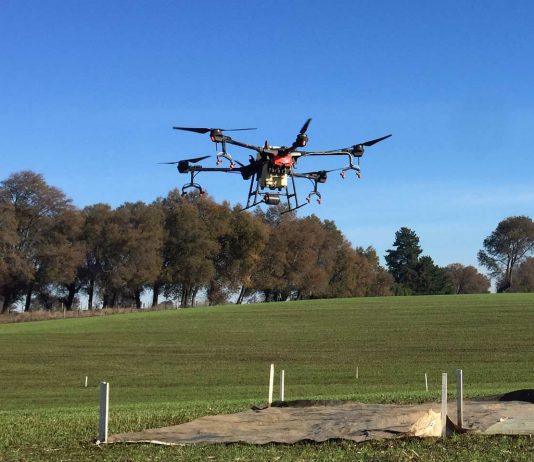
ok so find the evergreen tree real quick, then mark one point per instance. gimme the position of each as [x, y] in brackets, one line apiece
[431, 279]
[403, 261]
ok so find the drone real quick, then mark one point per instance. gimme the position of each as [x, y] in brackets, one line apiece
[272, 171]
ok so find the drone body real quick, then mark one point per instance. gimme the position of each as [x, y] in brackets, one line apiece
[271, 171]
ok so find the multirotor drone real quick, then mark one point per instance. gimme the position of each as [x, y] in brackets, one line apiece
[271, 171]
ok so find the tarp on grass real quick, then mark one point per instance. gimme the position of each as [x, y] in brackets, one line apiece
[321, 421]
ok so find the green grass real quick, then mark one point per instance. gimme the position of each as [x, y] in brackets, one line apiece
[168, 367]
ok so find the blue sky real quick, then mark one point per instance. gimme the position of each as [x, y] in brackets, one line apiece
[89, 92]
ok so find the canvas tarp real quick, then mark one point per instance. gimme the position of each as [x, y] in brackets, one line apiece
[318, 421]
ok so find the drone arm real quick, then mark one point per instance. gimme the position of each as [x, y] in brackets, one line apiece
[337, 152]
[229, 140]
[199, 168]
[194, 170]
[308, 176]
[341, 152]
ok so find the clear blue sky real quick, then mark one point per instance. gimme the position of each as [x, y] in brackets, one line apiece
[89, 92]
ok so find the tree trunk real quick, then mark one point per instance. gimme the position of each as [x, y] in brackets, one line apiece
[268, 295]
[105, 300]
[91, 292]
[194, 296]
[183, 300]
[113, 300]
[241, 295]
[70, 297]
[28, 298]
[212, 289]
[6, 304]
[138, 299]
[155, 294]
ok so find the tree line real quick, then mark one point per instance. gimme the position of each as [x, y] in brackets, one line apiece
[186, 248]
[506, 253]
[178, 247]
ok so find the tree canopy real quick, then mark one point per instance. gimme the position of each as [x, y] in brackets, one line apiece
[177, 247]
[524, 276]
[415, 274]
[506, 247]
[467, 279]
[190, 248]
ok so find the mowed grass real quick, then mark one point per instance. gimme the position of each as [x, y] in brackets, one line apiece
[168, 367]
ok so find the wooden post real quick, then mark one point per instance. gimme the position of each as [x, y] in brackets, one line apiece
[459, 398]
[104, 413]
[271, 385]
[357, 372]
[426, 383]
[282, 386]
[444, 405]
[86, 378]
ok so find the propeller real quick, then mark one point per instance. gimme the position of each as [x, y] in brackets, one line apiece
[305, 127]
[370, 143]
[194, 161]
[207, 130]
[357, 149]
[302, 138]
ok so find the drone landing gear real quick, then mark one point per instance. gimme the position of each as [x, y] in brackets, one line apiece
[314, 193]
[192, 185]
[226, 156]
[351, 166]
[223, 154]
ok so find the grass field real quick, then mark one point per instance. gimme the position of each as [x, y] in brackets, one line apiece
[168, 367]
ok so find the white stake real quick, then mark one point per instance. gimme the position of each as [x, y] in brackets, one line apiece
[282, 386]
[460, 398]
[357, 372]
[271, 385]
[86, 381]
[444, 405]
[426, 382]
[104, 413]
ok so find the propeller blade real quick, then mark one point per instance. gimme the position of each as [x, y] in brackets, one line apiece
[305, 126]
[302, 138]
[203, 130]
[194, 161]
[235, 129]
[370, 143]
[191, 129]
